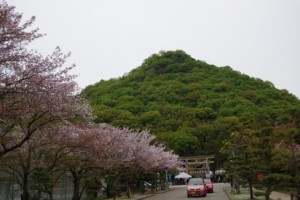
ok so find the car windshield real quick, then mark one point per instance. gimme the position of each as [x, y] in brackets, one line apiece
[195, 182]
[207, 180]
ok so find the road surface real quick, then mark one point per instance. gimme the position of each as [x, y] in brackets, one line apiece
[179, 193]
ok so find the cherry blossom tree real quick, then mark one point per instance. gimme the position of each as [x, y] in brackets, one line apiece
[83, 153]
[114, 147]
[35, 91]
[14, 36]
[117, 149]
[149, 156]
[37, 164]
[78, 165]
[39, 103]
[83, 162]
[103, 151]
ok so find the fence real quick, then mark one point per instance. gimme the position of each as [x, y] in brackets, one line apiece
[9, 190]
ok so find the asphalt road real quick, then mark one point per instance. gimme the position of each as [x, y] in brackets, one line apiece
[179, 193]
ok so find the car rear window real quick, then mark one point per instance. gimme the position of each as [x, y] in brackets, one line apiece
[207, 180]
[195, 182]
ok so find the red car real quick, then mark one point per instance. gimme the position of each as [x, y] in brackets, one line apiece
[196, 187]
[209, 185]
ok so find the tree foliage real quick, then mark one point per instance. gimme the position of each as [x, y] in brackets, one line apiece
[35, 91]
[178, 97]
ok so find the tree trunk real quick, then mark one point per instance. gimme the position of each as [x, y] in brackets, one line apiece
[238, 188]
[268, 192]
[77, 190]
[76, 195]
[25, 195]
[50, 194]
[38, 195]
[250, 182]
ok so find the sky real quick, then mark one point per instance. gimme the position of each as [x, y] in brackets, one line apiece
[109, 38]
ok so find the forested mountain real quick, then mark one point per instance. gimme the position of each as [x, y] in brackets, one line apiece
[190, 105]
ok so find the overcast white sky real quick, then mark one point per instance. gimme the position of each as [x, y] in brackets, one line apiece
[108, 38]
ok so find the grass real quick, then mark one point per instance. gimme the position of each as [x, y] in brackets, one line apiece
[287, 190]
[244, 195]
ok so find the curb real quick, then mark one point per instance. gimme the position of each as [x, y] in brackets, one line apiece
[229, 197]
[145, 197]
[151, 195]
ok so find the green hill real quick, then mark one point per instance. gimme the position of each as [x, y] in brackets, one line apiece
[190, 105]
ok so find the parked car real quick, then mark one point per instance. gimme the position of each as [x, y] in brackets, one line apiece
[196, 187]
[209, 185]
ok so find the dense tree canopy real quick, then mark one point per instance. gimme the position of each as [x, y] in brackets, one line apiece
[195, 108]
[190, 105]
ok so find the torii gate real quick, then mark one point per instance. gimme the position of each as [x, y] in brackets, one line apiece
[197, 166]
